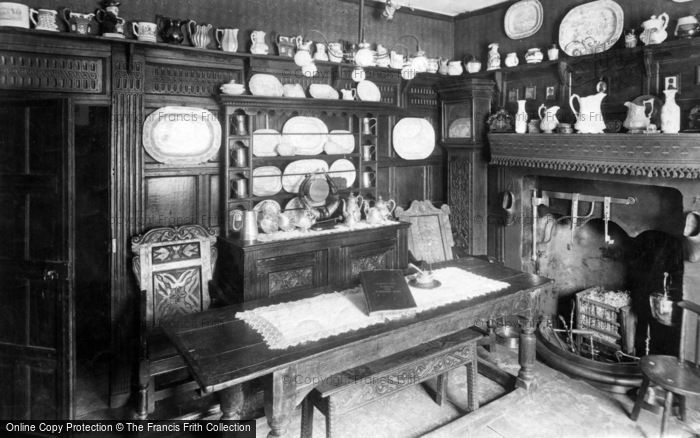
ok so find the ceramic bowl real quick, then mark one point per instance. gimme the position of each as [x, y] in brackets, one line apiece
[234, 89]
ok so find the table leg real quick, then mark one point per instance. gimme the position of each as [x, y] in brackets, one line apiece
[231, 400]
[526, 356]
[280, 397]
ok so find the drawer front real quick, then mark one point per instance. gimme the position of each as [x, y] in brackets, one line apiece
[283, 274]
[368, 256]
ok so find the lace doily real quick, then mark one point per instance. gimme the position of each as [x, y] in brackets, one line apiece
[310, 319]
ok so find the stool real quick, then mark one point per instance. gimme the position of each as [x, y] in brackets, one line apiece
[349, 390]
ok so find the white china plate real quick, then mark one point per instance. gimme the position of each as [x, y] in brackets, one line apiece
[265, 85]
[343, 169]
[414, 138]
[296, 171]
[368, 91]
[265, 142]
[181, 135]
[306, 134]
[267, 181]
[591, 28]
[523, 19]
[339, 141]
[323, 91]
[268, 207]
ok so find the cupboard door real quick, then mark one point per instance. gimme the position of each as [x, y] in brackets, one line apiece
[284, 274]
[36, 253]
[368, 256]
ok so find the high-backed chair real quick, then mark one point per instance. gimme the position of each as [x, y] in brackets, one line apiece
[173, 267]
[676, 375]
[430, 235]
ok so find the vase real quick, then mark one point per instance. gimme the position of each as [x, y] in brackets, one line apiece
[521, 118]
[670, 114]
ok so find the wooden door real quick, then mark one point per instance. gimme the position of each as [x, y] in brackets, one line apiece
[36, 281]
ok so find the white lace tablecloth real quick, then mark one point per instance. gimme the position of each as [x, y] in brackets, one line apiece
[340, 228]
[288, 324]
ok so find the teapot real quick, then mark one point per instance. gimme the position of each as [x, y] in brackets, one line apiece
[654, 29]
[246, 222]
[170, 29]
[637, 117]
[589, 118]
[258, 46]
[352, 209]
[548, 118]
[199, 34]
[385, 208]
[373, 215]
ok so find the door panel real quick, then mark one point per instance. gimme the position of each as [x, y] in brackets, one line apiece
[36, 310]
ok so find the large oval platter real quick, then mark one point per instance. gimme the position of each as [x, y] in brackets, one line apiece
[306, 134]
[181, 135]
[340, 141]
[414, 138]
[523, 19]
[267, 181]
[296, 171]
[265, 85]
[591, 28]
[265, 142]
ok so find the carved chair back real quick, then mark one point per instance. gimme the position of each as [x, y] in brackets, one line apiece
[173, 267]
[430, 235]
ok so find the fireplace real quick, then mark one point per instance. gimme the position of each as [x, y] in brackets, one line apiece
[647, 184]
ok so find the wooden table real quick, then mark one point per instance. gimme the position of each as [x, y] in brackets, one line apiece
[224, 352]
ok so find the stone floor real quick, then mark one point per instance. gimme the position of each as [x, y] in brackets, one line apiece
[559, 407]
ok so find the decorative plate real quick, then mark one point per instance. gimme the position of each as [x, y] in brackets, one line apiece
[323, 91]
[181, 135]
[368, 91]
[295, 210]
[306, 134]
[296, 171]
[414, 138]
[591, 28]
[340, 141]
[523, 19]
[265, 85]
[343, 169]
[269, 208]
[460, 128]
[267, 181]
[265, 142]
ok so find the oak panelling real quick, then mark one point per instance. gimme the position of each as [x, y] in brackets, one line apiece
[171, 201]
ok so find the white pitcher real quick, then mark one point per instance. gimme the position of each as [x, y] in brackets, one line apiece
[589, 117]
[548, 118]
[227, 39]
[258, 47]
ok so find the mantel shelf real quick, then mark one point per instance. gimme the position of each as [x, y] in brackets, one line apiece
[649, 155]
[300, 103]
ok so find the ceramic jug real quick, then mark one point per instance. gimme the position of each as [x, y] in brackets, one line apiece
[372, 214]
[473, 65]
[352, 211]
[170, 30]
[320, 54]
[589, 118]
[670, 113]
[654, 29]
[199, 34]
[454, 68]
[396, 60]
[77, 23]
[303, 55]
[258, 46]
[443, 66]
[521, 118]
[45, 19]
[245, 222]
[511, 59]
[637, 116]
[548, 118]
[385, 208]
[494, 57]
[111, 24]
[227, 39]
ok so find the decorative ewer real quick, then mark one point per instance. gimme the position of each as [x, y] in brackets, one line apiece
[548, 118]
[321, 54]
[111, 24]
[637, 117]
[258, 46]
[494, 57]
[303, 55]
[385, 208]
[589, 117]
[661, 304]
[655, 29]
[352, 211]
[199, 34]
[227, 39]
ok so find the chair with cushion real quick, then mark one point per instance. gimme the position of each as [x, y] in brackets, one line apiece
[676, 375]
[430, 235]
[173, 267]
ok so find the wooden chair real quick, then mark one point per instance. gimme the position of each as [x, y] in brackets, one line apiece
[674, 374]
[173, 267]
[430, 236]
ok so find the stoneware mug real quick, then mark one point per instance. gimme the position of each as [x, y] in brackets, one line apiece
[45, 19]
[145, 30]
[78, 23]
[16, 15]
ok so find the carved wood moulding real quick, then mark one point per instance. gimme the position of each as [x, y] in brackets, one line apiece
[188, 81]
[652, 155]
[39, 71]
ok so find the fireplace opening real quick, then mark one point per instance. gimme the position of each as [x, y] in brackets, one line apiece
[624, 250]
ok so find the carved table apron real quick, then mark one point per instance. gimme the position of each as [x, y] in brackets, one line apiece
[224, 352]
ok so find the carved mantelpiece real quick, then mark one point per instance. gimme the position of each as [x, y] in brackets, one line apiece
[647, 155]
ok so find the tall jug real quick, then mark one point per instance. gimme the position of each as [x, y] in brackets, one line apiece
[199, 34]
[589, 117]
[245, 222]
[227, 39]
